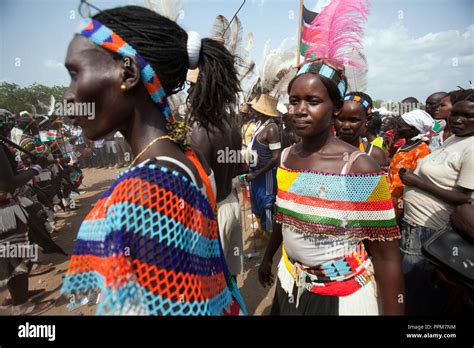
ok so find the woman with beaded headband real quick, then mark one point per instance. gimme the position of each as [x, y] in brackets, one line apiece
[334, 216]
[151, 245]
[353, 122]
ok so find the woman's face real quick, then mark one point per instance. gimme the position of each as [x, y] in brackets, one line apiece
[95, 83]
[351, 123]
[389, 123]
[444, 108]
[405, 131]
[312, 108]
[461, 120]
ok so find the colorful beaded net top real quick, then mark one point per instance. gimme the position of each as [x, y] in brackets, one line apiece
[151, 246]
[352, 206]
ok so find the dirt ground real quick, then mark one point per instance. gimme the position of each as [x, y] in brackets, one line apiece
[257, 299]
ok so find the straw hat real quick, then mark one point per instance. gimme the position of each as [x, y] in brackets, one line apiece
[244, 108]
[192, 75]
[266, 105]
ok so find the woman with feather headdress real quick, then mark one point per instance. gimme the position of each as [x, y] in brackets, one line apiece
[334, 215]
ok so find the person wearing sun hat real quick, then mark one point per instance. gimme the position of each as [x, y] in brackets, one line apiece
[265, 142]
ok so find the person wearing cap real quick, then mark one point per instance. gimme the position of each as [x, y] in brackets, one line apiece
[266, 143]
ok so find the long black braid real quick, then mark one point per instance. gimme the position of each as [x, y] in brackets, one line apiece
[215, 92]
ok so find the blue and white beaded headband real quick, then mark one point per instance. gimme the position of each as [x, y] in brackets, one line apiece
[326, 71]
[361, 101]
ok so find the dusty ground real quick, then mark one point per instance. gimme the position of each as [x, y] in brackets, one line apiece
[257, 299]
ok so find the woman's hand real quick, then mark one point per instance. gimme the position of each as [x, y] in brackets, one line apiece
[265, 275]
[409, 178]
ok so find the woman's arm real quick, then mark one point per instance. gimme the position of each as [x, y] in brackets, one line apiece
[265, 275]
[380, 156]
[453, 197]
[386, 259]
[463, 219]
[389, 275]
[272, 135]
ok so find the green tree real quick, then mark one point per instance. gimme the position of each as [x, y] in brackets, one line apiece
[15, 98]
[378, 103]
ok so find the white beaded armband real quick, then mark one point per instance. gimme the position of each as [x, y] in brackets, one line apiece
[275, 146]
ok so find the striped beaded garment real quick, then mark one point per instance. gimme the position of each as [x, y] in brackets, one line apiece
[354, 206]
[151, 247]
[351, 207]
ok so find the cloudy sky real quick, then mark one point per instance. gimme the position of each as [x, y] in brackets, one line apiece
[414, 47]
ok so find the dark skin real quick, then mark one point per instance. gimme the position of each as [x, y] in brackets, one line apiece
[351, 125]
[463, 219]
[319, 150]
[432, 103]
[405, 131]
[389, 123]
[210, 142]
[269, 135]
[96, 77]
[442, 113]
[461, 121]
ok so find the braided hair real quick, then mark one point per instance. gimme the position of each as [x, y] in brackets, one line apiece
[364, 96]
[163, 44]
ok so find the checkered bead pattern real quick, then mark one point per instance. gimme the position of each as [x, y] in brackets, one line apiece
[326, 71]
[353, 206]
[151, 246]
[104, 37]
[361, 101]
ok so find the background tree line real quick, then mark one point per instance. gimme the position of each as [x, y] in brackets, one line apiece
[15, 98]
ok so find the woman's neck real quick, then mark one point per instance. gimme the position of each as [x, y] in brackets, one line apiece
[146, 125]
[315, 143]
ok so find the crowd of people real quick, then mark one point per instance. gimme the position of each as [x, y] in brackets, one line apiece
[348, 194]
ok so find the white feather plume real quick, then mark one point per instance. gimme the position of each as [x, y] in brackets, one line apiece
[276, 63]
[232, 35]
[250, 42]
[280, 91]
[235, 40]
[221, 30]
[49, 109]
[171, 9]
